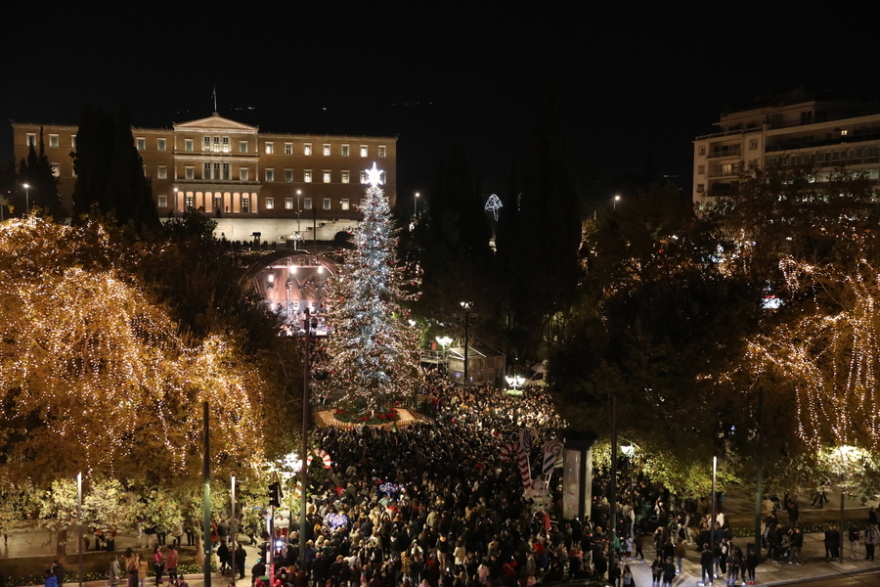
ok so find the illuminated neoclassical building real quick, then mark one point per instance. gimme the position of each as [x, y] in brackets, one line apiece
[278, 185]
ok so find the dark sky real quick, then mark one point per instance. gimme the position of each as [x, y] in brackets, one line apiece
[638, 80]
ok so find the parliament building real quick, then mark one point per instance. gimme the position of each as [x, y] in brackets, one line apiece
[277, 186]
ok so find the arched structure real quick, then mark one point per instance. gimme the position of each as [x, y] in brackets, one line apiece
[290, 282]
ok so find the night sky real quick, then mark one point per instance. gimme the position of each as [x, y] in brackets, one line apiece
[637, 80]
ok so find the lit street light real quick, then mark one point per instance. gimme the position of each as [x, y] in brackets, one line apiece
[616, 199]
[298, 212]
[416, 206]
[27, 197]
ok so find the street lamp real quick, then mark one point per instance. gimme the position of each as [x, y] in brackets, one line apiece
[629, 451]
[309, 325]
[298, 212]
[467, 314]
[444, 342]
[515, 381]
[616, 199]
[416, 206]
[27, 197]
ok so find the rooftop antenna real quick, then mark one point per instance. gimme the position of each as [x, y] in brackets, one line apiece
[215, 98]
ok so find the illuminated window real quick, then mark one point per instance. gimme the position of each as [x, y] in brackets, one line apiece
[216, 144]
[307, 203]
[162, 201]
[270, 148]
[161, 144]
[190, 202]
[31, 139]
[382, 150]
[345, 176]
[242, 146]
[56, 169]
[363, 177]
[188, 145]
[343, 203]
[270, 203]
[270, 175]
[307, 175]
[288, 175]
[243, 173]
[843, 133]
[345, 150]
[326, 150]
[288, 203]
[73, 141]
[326, 203]
[245, 204]
[288, 148]
[206, 144]
[53, 140]
[225, 144]
[363, 150]
[189, 172]
[141, 144]
[307, 149]
[326, 176]
[162, 172]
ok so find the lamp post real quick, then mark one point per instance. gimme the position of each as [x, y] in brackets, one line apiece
[515, 381]
[174, 205]
[714, 513]
[27, 197]
[309, 323]
[233, 530]
[616, 199]
[612, 493]
[298, 212]
[416, 206]
[467, 314]
[444, 342]
[629, 450]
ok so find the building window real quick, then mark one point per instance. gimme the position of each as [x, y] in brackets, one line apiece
[307, 203]
[225, 144]
[345, 176]
[206, 144]
[288, 203]
[189, 172]
[701, 169]
[345, 150]
[700, 188]
[270, 203]
[32, 139]
[188, 145]
[343, 203]
[753, 144]
[216, 144]
[326, 176]
[226, 172]
[307, 175]
[73, 141]
[206, 171]
[190, 202]
[270, 175]
[162, 172]
[245, 204]
[53, 140]
[363, 177]
[326, 150]
[242, 146]
[161, 144]
[382, 150]
[288, 148]
[243, 173]
[327, 203]
[56, 169]
[162, 201]
[363, 150]
[288, 175]
[702, 151]
[270, 148]
[843, 133]
[141, 144]
[307, 149]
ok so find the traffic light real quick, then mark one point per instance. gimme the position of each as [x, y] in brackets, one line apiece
[275, 494]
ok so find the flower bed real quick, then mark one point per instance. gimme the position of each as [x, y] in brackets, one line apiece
[355, 416]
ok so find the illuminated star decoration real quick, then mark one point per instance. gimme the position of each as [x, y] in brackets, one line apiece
[374, 176]
[493, 205]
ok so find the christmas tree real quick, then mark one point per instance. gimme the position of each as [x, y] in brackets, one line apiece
[372, 356]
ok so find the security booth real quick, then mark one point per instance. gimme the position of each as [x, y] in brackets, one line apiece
[485, 365]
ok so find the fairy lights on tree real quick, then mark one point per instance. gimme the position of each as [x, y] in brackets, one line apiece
[372, 356]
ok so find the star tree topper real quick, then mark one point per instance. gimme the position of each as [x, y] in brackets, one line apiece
[374, 176]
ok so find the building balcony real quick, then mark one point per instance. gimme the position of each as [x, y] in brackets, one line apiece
[731, 151]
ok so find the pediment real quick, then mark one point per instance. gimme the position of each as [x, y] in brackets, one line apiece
[215, 122]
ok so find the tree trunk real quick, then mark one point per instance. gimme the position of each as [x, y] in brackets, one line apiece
[61, 546]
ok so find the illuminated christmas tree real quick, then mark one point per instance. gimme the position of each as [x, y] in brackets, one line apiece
[372, 356]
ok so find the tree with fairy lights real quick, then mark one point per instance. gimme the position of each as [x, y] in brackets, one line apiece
[372, 356]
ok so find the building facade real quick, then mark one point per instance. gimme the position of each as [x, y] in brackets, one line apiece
[283, 186]
[793, 129]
